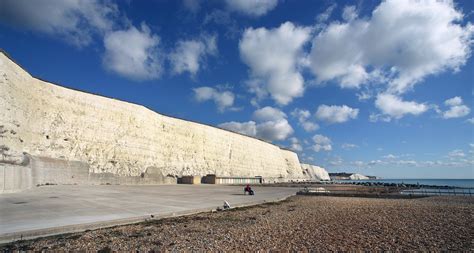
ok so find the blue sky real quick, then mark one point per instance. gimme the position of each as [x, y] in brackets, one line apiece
[381, 88]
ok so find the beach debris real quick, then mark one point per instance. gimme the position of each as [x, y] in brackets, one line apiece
[226, 205]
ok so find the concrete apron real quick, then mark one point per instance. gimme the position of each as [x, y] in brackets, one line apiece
[27, 171]
[54, 210]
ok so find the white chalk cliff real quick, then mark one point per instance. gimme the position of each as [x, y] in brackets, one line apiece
[314, 172]
[44, 127]
[357, 176]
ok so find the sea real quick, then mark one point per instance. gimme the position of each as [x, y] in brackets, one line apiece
[461, 183]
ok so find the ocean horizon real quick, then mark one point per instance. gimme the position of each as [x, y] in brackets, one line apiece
[464, 183]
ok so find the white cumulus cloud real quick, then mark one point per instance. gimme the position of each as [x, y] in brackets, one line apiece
[274, 56]
[271, 125]
[309, 126]
[189, 55]
[400, 44]
[133, 53]
[295, 145]
[75, 21]
[336, 114]
[453, 101]
[321, 143]
[393, 106]
[252, 7]
[247, 128]
[223, 99]
[268, 113]
[349, 13]
[456, 108]
[274, 130]
[456, 112]
[303, 119]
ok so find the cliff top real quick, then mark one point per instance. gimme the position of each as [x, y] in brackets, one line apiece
[136, 104]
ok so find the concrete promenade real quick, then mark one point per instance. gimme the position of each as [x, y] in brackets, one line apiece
[51, 210]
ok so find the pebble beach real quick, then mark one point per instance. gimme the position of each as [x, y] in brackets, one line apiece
[300, 223]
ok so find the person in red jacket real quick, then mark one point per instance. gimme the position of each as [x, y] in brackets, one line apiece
[248, 189]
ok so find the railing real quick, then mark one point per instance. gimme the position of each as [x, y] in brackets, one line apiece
[355, 193]
[408, 193]
[440, 192]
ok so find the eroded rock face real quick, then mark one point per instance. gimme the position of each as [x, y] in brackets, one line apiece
[110, 136]
[314, 172]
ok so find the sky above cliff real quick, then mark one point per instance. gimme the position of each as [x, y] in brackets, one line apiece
[380, 88]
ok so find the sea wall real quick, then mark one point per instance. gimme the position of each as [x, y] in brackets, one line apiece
[46, 128]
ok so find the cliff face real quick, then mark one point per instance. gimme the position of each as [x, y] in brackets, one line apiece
[40, 120]
[314, 172]
[357, 176]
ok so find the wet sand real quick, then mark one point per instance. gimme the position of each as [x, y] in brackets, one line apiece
[299, 223]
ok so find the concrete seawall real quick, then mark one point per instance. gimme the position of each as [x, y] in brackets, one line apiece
[49, 171]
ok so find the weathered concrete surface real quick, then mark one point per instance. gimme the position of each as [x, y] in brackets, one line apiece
[80, 130]
[59, 209]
